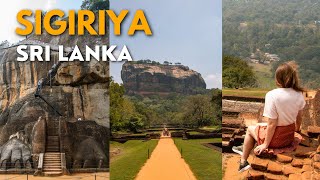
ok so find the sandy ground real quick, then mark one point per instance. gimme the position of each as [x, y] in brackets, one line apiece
[231, 166]
[82, 176]
[165, 163]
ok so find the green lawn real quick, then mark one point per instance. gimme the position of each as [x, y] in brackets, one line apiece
[246, 92]
[134, 154]
[204, 162]
[264, 75]
[211, 128]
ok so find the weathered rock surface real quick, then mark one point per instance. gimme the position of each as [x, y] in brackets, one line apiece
[78, 91]
[15, 153]
[148, 78]
[38, 140]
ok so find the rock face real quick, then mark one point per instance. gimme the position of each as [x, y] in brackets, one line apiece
[146, 78]
[78, 91]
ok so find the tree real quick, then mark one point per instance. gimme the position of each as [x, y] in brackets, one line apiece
[236, 73]
[4, 44]
[216, 101]
[116, 104]
[198, 110]
[95, 5]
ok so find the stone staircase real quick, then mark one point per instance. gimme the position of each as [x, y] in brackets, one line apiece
[52, 157]
[52, 144]
[233, 129]
[52, 164]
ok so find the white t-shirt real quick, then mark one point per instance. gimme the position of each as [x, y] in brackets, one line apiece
[283, 104]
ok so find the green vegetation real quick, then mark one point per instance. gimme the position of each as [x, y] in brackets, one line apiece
[264, 75]
[94, 5]
[211, 128]
[134, 113]
[236, 73]
[134, 154]
[246, 92]
[288, 28]
[204, 162]
[123, 113]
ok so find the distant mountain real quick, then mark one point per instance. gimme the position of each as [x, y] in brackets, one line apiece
[287, 28]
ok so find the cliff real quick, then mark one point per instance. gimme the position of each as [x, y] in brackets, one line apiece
[74, 108]
[147, 78]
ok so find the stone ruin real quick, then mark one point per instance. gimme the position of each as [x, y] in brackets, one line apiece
[303, 163]
[237, 114]
[54, 116]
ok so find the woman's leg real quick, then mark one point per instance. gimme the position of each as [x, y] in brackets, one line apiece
[249, 142]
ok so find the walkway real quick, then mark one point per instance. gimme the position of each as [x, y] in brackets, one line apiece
[165, 163]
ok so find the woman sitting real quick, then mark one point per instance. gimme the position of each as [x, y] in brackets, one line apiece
[283, 110]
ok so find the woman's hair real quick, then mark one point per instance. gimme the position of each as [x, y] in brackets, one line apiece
[287, 76]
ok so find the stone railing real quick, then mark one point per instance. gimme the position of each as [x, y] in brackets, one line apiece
[64, 164]
[40, 164]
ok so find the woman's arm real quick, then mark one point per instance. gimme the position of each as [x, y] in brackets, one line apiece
[271, 127]
[272, 124]
[298, 121]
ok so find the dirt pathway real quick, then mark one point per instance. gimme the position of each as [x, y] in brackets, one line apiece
[165, 163]
[231, 165]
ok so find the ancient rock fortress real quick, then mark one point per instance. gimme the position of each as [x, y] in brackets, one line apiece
[151, 78]
[67, 127]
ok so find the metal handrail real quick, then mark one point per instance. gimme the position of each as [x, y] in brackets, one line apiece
[40, 161]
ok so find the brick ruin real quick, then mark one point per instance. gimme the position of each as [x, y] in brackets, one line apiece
[303, 163]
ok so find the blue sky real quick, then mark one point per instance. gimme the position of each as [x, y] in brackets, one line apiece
[186, 31]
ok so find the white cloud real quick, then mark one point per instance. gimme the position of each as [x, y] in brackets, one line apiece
[51, 4]
[116, 53]
[9, 12]
[213, 80]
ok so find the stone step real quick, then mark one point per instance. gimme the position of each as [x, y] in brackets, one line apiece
[50, 161]
[53, 137]
[52, 158]
[53, 145]
[52, 169]
[51, 155]
[52, 164]
[313, 131]
[226, 137]
[52, 150]
[53, 173]
[57, 173]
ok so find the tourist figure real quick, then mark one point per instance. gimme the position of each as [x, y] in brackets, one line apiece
[283, 113]
[165, 132]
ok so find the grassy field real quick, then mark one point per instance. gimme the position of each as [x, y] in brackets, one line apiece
[264, 75]
[204, 162]
[246, 92]
[134, 154]
[211, 128]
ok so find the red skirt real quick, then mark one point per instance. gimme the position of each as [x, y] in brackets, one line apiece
[283, 136]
